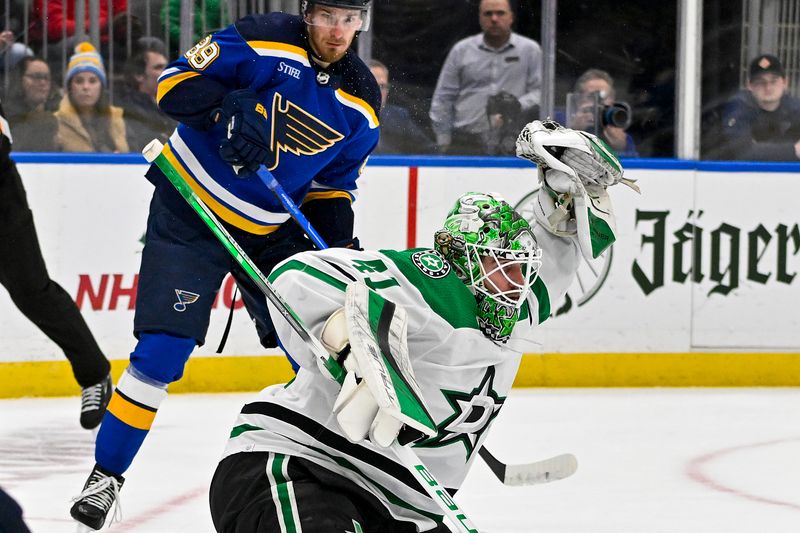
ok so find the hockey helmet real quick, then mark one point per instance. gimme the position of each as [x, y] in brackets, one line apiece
[493, 251]
[364, 7]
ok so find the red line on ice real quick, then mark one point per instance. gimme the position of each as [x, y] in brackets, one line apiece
[694, 469]
[128, 524]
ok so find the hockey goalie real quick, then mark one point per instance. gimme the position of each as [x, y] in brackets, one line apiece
[430, 340]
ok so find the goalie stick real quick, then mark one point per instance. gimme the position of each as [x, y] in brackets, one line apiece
[154, 153]
[544, 471]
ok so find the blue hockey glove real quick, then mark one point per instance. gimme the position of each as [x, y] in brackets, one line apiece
[247, 145]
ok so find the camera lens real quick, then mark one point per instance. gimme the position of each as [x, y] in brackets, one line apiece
[617, 114]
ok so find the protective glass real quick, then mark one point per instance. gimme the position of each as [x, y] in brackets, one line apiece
[346, 19]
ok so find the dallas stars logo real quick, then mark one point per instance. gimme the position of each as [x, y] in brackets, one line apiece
[431, 263]
[473, 412]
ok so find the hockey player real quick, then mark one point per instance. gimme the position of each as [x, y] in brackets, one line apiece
[272, 93]
[449, 322]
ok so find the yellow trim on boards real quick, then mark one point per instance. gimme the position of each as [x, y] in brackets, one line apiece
[232, 374]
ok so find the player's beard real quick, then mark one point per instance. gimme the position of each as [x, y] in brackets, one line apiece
[328, 48]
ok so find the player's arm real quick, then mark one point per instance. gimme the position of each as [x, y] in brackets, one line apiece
[533, 80]
[193, 87]
[442, 112]
[575, 169]
[328, 204]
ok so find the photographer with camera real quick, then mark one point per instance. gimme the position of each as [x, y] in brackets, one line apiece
[592, 107]
[491, 64]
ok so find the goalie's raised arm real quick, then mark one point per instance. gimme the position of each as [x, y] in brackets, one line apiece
[575, 169]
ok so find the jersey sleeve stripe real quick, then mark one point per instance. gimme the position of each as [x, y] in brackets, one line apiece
[305, 268]
[282, 50]
[360, 105]
[165, 85]
[327, 195]
[238, 206]
[220, 210]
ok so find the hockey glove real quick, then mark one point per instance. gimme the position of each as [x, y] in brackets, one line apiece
[380, 398]
[247, 145]
[575, 168]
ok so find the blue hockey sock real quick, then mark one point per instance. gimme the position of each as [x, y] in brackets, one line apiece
[128, 419]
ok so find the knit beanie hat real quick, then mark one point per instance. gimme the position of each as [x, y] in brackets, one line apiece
[85, 59]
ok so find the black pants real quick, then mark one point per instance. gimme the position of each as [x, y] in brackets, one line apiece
[43, 301]
[251, 489]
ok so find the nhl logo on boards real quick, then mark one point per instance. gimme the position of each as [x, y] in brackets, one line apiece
[323, 78]
[431, 263]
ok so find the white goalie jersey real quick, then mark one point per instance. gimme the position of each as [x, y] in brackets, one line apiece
[464, 377]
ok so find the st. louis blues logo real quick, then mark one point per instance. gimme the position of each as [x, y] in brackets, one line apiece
[184, 298]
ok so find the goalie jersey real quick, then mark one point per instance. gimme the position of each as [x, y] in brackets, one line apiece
[323, 122]
[464, 377]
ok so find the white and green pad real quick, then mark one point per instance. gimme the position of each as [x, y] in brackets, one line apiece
[380, 393]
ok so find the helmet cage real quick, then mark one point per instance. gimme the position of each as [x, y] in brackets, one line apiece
[502, 263]
[328, 19]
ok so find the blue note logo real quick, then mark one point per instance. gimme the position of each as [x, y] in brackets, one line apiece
[184, 298]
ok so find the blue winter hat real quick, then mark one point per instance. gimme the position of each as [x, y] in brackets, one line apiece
[85, 59]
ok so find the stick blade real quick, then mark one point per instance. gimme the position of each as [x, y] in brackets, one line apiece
[545, 471]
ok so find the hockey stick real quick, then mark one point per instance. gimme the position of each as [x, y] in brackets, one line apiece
[544, 471]
[154, 153]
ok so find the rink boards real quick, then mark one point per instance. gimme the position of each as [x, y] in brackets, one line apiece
[701, 289]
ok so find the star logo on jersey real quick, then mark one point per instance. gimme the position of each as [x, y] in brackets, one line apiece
[431, 263]
[298, 132]
[473, 412]
[184, 298]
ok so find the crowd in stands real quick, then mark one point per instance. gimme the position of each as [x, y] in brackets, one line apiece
[488, 87]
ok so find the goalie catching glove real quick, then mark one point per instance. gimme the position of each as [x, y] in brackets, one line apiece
[380, 397]
[575, 168]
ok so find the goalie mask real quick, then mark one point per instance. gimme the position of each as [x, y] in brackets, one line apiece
[493, 251]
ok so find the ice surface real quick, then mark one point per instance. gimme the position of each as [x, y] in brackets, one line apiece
[650, 461]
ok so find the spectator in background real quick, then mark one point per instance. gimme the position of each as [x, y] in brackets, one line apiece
[599, 82]
[399, 133]
[144, 121]
[488, 64]
[30, 105]
[11, 52]
[762, 123]
[61, 15]
[213, 18]
[86, 121]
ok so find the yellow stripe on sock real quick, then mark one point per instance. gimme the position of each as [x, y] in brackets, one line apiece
[131, 414]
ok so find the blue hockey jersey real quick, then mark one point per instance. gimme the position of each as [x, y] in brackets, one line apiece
[323, 122]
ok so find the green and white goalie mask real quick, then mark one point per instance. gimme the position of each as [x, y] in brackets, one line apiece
[493, 251]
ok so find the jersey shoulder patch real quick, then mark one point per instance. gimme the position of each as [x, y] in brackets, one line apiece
[439, 285]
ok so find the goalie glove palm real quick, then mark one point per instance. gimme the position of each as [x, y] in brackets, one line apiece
[247, 145]
[579, 155]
